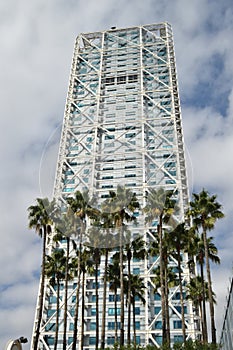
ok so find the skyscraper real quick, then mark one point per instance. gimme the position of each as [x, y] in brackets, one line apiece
[122, 126]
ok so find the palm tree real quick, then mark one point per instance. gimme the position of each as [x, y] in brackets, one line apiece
[122, 205]
[81, 205]
[199, 252]
[94, 250]
[108, 242]
[134, 248]
[160, 206]
[195, 293]
[205, 211]
[137, 290]
[40, 218]
[65, 229]
[54, 269]
[85, 266]
[113, 275]
[179, 238]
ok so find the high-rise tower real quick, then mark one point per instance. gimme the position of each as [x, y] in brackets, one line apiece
[122, 126]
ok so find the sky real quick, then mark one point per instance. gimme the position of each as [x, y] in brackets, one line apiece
[36, 46]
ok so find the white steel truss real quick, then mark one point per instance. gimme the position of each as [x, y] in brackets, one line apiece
[122, 125]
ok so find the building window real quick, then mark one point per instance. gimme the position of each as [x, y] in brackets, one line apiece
[112, 297]
[92, 341]
[159, 339]
[111, 311]
[136, 271]
[110, 340]
[109, 81]
[178, 308]
[50, 340]
[121, 79]
[130, 175]
[52, 299]
[50, 327]
[132, 134]
[93, 311]
[50, 312]
[177, 324]
[178, 339]
[132, 78]
[137, 310]
[157, 310]
[158, 325]
[111, 325]
[93, 326]
[138, 339]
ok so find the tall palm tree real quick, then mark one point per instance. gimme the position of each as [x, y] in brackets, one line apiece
[113, 276]
[94, 250]
[40, 218]
[195, 293]
[55, 271]
[65, 229]
[205, 211]
[81, 205]
[108, 243]
[134, 249]
[160, 206]
[199, 252]
[179, 237]
[86, 266]
[137, 290]
[122, 205]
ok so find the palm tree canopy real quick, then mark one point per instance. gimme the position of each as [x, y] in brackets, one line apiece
[82, 205]
[205, 210]
[55, 265]
[121, 204]
[159, 205]
[41, 214]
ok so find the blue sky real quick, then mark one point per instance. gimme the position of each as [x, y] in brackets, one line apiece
[36, 46]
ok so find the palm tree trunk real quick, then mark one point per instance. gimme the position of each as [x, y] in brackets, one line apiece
[75, 332]
[181, 295]
[57, 314]
[201, 315]
[97, 307]
[41, 295]
[163, 307]
[134, 322]
[204, 333]
[104, 301]
[115, 314]
[210, 294]
[129, 255]
[66, 291]
[122, 289]
[166, 295]
[82, 311]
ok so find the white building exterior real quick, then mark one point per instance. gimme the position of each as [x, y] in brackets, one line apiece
[226, 340]
[122, 125]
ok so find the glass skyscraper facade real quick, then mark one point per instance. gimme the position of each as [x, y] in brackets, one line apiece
[122, 126]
